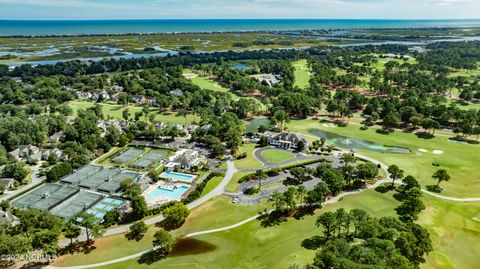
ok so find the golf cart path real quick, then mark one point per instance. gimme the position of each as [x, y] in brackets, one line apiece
[137, 255]
[220, 189]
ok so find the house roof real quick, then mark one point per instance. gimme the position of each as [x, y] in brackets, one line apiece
[286, 137]
[6, 181]
[7, 218]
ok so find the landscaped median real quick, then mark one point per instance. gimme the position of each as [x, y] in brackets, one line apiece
[249, 162]
[277, 155]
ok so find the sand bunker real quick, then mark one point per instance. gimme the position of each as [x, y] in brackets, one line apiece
[423, 150]
[190, 75]
[437, 152]
[329, 125]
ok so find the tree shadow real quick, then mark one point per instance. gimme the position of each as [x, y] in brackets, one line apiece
[383, 131]
[78, 247]
[434, 188]
[303, 211]
[132, 236]
[385, 188]
[168, 225]
[424, 135]
[152, 256]
[313, 242]
[273, 218]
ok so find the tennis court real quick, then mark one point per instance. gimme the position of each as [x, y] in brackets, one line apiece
[45, 197]
[76, 204]
[128, 155]
[113, 185]
[81, 174]
[99, 178]
[152, 157]
[106, 204]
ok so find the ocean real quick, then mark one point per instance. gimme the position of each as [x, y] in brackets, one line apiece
[78, 27]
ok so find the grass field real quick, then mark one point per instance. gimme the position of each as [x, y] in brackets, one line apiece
[203, 82]
[212, 183]
[450, 223]
[454, 232]
[275, 247]
[216, 213]
[302, 75]
[115, 111]
[232, 185]
[277, 155]
[208, 84]
[250, 161]
[465, 181]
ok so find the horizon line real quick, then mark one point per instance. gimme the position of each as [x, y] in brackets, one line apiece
[206, 19]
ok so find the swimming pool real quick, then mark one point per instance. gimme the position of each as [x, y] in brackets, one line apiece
[170, 194]
[178, 176]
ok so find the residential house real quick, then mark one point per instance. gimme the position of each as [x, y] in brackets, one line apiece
[7, 183]
[7, 218]
[55, 138]
[46, 153]
[139, 99]
[177, 92]
[25, 152]
[84, 95]
[117, 88]
[285, 140]
[269, 80]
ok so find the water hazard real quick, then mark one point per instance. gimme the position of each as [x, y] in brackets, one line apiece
[345, 142]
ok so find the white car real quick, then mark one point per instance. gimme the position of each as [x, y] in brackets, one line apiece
[235, 200]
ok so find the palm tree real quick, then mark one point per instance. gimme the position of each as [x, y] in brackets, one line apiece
[301, 192]
[260, 175]
[348, 158]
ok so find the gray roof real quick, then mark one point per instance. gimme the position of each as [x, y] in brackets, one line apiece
[286, 136]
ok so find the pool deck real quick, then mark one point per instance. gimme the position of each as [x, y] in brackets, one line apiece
[161, 199]
[190, 181]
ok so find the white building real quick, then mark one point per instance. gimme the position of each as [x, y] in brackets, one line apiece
[285, 140]
[184, 158]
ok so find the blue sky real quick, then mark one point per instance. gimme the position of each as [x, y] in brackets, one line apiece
[165, 9]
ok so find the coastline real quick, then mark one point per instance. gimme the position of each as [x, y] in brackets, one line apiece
[56, 28]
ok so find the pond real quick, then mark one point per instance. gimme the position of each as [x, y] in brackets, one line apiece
[345, 142]
[254, 124]
[241, 66]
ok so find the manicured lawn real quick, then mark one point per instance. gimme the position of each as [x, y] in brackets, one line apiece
[465, 106]
[212, 183]
[277, 155]
[250, 161]
[302, 75]
[218, 212]
[454, 232]
[208, 84]
[204, 82]
[232, 185]
[254, 246]
[460, 160]
[115, 111]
